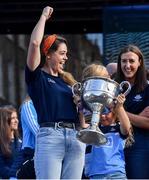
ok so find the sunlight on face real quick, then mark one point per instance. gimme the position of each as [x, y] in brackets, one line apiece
[14, 121]
[108, 119]
[58, 59]
[129, 64]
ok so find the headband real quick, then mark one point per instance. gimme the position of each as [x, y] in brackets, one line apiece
[48, 43]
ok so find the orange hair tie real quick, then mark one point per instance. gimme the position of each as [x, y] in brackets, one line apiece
[48, 43]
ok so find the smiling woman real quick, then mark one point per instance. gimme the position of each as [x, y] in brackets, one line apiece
[131, 67]
[129, 64]
[14, 122]
[9, 142]
[58, 153]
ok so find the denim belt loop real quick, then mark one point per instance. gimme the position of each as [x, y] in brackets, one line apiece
[55, 127]
[74, 127]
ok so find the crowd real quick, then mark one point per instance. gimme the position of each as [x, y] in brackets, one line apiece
[51, 116]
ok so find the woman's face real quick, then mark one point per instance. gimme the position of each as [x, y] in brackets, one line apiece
[58, 59]
[14, 121]
[129, 65]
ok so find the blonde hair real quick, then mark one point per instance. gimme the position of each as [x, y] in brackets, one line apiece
[95, 70]
[130, 139]
[68, 78]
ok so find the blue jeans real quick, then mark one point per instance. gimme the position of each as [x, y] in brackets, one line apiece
[58, 154]
[117, 175]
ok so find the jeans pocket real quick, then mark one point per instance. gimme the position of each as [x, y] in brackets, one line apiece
[43, 132]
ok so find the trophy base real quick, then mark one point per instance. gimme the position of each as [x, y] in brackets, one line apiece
[92, 137]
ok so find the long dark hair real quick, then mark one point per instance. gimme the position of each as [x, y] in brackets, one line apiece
[53, 47]
[141, 72]
[5, 130]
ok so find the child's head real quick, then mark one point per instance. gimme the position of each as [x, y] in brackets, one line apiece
[95, 70]
[108, 116]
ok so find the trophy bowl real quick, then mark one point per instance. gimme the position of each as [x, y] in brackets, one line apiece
[96, 93]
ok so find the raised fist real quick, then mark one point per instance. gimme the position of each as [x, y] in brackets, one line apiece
[47, 12]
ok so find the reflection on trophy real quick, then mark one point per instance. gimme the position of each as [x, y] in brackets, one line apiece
[97, 92]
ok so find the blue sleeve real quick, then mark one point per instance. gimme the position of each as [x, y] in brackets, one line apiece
[29, 116]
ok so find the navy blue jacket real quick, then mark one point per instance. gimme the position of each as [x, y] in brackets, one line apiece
[9, 166]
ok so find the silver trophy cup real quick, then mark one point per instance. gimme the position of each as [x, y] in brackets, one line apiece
[97, 92]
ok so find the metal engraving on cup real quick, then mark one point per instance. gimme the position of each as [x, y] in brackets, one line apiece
[97, 92]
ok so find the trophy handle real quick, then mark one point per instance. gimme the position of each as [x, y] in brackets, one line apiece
[122, 84]
[76, 89]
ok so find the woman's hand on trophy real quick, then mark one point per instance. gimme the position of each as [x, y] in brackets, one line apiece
[83, 122]
[77, 101]
[82, 118]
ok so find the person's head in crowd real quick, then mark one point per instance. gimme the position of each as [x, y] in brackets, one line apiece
[50, 45]
[94, 70]
[54, 53]
[131, 67]
[111, 68]
[8, 128]
[108, 116]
